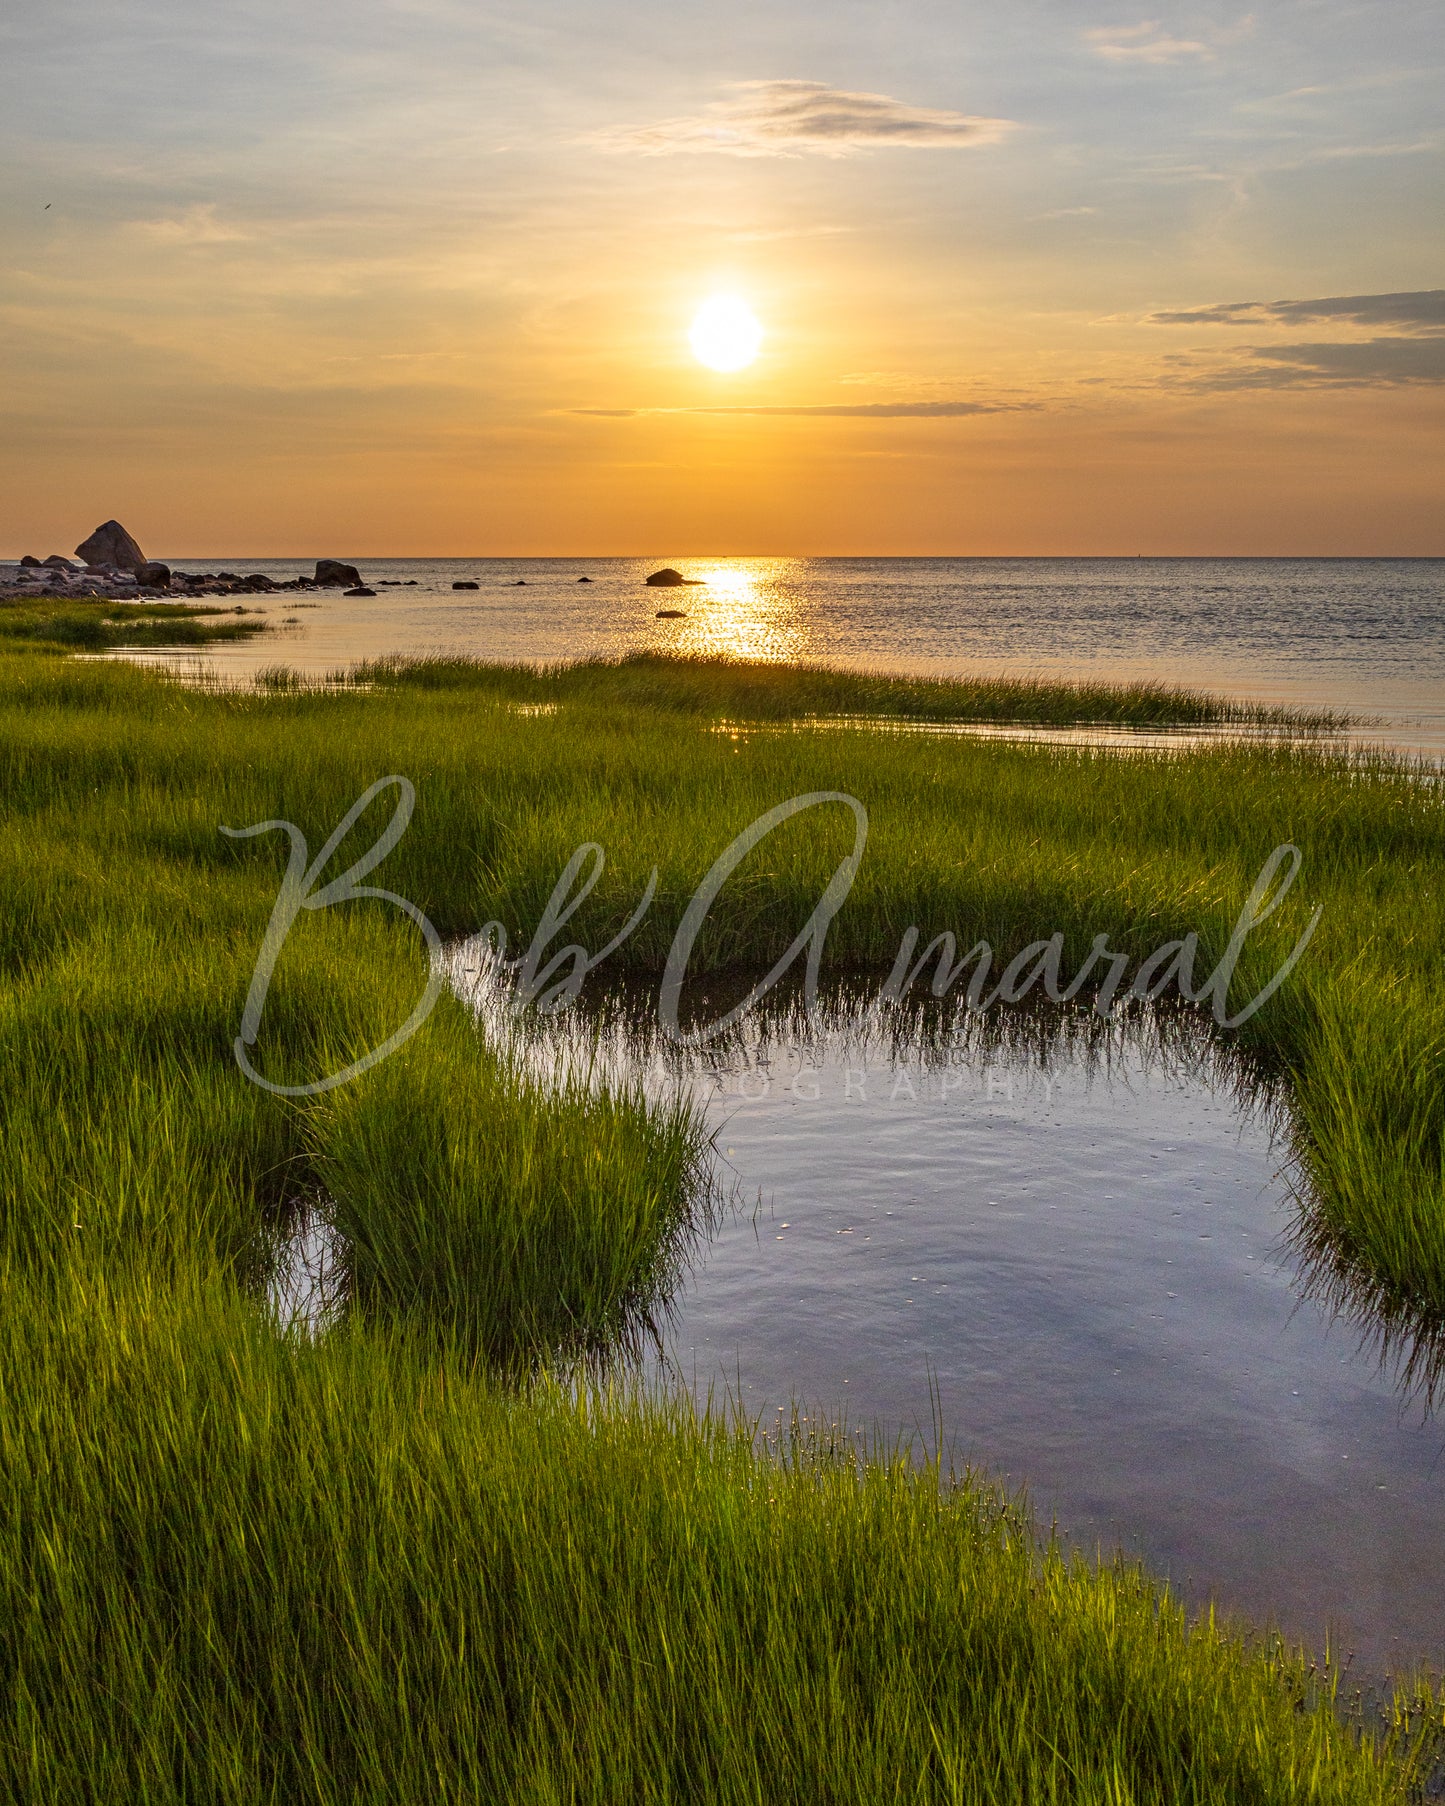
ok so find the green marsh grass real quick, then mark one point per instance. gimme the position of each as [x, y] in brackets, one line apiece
[241, 1569]
[401, 1561]
[512, 1216]
[734, 690]
[105, 624]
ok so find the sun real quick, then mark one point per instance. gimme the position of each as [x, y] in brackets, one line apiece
[725, 335]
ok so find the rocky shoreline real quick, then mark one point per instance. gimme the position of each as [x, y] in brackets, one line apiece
[112, 566]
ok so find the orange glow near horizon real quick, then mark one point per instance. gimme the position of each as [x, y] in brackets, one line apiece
[783, 323]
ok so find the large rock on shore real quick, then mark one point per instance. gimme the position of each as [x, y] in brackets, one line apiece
[153, 574]
[111, 544]
[331, 573]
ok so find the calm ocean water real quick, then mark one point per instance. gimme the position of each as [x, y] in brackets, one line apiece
[1362, 635]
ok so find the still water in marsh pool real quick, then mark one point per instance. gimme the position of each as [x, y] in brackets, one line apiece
[1079, 1259]
[1361, 636]
[1069, 1243]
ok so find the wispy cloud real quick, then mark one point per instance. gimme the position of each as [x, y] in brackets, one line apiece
[840, 410]
[1149, 43]
[1388, 363]
[1146, 42]
[887, 410]
[195, 226]
[1413, 353]
[1420, 309]
[792, 118]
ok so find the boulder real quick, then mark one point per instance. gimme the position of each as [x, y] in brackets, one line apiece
[360, 590]
[331, 573]
[258, 581]
[670, 579]
[56, 563]
[466, 586]
[30, 562]
[111, 544]
[153, 574]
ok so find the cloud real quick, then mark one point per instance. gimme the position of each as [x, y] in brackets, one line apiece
[1412, 354]
[883, 410]
[196, 226]
[791, 118]
[1418, 309]
[840, 410]
[1388, 363]
[1144, 43]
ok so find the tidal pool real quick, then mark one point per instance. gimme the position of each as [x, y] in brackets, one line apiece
[1078, 1261]
[1069, 1246]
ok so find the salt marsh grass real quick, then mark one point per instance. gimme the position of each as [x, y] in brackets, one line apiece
[243, 1569]
[727, 689]
[96, 626]
[401, 1561]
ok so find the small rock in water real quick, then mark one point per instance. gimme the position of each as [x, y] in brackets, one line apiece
[672, 614]
[584, 579]
[466, 586]
[360, 590]
[668, 578]
[331, 573]
[111, 544]
[521, 583]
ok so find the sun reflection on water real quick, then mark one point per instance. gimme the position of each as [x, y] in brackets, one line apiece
[750, 608]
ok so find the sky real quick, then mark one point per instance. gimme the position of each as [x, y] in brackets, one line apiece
[1061, 277]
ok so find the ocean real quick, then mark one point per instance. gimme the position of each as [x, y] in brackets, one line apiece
[1366, 636]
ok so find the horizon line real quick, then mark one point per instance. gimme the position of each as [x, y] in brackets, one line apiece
[874, 557]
